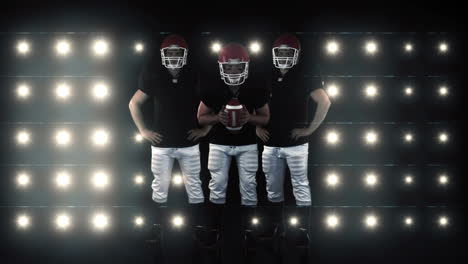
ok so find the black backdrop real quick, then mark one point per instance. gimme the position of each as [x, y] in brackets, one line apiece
[232, 20]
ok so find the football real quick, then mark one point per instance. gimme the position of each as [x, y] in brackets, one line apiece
[233, 110]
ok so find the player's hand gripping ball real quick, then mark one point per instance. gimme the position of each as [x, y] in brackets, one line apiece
[233, 110]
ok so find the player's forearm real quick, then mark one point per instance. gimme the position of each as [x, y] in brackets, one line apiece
[322, 109]
[206, 128]
[259, 120]
[208, 119]
[137, 116]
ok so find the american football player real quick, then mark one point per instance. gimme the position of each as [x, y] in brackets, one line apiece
[235, 88]
[285, 137]
[172, 86]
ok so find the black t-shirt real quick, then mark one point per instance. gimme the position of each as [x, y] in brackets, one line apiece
[175, 102]
[291, 105]
[215, 94]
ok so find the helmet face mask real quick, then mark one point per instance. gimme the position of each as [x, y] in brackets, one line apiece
[234, 72]
[233, 61]
[285, 57]
[174, 57]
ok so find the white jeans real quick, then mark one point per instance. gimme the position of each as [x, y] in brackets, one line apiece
[219, 161]
[162, 161]
[274, 160]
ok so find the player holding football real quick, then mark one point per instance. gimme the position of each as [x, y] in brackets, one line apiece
[218, 108]
[176, 132]
[286, 135]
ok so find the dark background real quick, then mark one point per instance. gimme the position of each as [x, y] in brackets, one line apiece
[390, 23]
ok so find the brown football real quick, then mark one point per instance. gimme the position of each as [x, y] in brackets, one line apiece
[233, 110]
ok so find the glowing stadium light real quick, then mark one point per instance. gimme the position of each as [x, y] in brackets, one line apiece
[139, 221]
[408, 47]
[63, 138]
[333, 137]
[100, 91]
[332, 47]
[371, 91]
[138, 138]
[443, 137]
[139, 179]
[371, 179]
[293, 221]
[371, 221]
[216, 47]
[100, 179]
[332, 179]
[63, 91]
[23, 47]
[371, 47]
[371, 137]
[23, 137]
[63, 47]
[408, 221]
[408, 91]
[23, 91]
[443, 221]
[333, 90]
[443, 47]
[23, 179]
[177, 221]
[63, 222]
[408, 179]
[255, 221]
[332, 221]
[255, 47]
[100, 221]
[177, 179]
[409, 137]
[443, 91]
[139, 47]
[100, 47]
[100, 137]
[443, 179]
[63, 179]
[23, 221]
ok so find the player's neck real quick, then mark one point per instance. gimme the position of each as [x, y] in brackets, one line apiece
[234, 88]
[283, 71]
[174, 72]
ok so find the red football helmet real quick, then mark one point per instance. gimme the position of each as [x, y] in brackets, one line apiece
[234, 54]
[174, 45]
[286, 50]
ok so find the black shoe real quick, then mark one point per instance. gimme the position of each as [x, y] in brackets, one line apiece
[206, 237]
[157, 233]
[299, 237]
[267, 236]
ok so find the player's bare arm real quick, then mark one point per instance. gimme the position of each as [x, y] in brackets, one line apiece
[323, 104]
[197, 133]
[260, 117]
[262, 133]
[135, 106]
[206, 116]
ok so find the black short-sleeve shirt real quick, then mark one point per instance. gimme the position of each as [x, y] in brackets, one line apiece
[175, 102]
[215, 94]
[291, 105]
